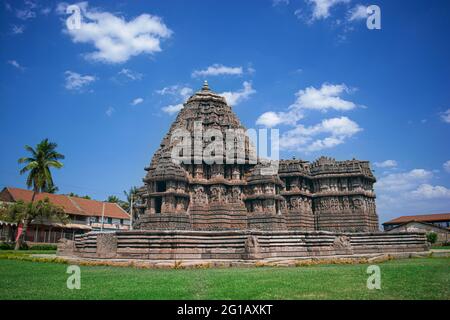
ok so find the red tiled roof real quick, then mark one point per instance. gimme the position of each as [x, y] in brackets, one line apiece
[421, 217]
[71, 205]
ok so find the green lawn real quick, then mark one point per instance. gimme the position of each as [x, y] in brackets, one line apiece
[441, 247]
[26, 252]
[426, 278]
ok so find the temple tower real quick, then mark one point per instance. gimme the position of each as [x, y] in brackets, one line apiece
[192, 188]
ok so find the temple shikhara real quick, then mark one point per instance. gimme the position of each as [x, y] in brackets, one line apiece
[323, 195]
[243, 209]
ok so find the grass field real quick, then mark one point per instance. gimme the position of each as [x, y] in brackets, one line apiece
[427, 278]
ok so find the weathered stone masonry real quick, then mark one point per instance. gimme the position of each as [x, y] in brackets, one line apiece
[324, 195]
[233, 211]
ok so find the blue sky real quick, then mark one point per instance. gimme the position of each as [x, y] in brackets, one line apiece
[107, 93]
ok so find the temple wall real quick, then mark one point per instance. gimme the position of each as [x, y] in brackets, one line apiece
[179, 245]
[348, 213]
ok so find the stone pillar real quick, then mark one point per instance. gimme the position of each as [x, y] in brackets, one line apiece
[152, 206]
[106, 245]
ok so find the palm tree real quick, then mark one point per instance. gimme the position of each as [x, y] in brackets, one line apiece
[131, 194]
[113, 199]
[42, 158]
[123, 204]
[53, 189]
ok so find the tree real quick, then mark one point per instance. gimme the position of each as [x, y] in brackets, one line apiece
[123, 204]
[113, 199]
[131, 194]
[432, 237]
[42, 158]
[53, 189]
[26, 212]
[38, 164]
[78, 196]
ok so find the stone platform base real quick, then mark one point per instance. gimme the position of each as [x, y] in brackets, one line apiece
[237, 245]
[373, 258]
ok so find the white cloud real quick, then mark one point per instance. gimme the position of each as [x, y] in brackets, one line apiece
[61, 8]
[179, 94]
[235, 97]
[25, 14]
[28, 11]
[76, 81]
[45, 11]
[327, 97]
[321, 8]
[333, 132]
[410, 192]
[16, 64]
[109, 112]
[15, 29]
[445, 116]
[115, 39]
[272, 119]
[137, 101]
[446, 166]
[427, 191]
[216, 70]
[279, 2]
[132, 75]
[336, 131]
[178, 91]
[172, 109]
[359, 12]
[386, 164]
[405, 181]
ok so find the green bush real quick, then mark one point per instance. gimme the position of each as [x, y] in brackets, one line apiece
[11, 245]
[6, 246]
[431, 237]
[44, 247]
[24, 246]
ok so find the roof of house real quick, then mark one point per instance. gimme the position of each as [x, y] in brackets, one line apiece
[421, 217]
[418, 222]
[71, 205]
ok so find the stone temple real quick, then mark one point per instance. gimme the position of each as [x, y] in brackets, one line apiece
[323, 195]
[239, 210]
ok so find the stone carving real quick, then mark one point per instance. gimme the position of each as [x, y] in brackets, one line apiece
[342, 242]
[321, 195]
[200, 197]
[252, 247]
[236, 194]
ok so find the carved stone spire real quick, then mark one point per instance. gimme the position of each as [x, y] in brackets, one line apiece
[205, 86]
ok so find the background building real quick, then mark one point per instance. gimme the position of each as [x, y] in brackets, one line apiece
[85, 215]
[437, 223]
